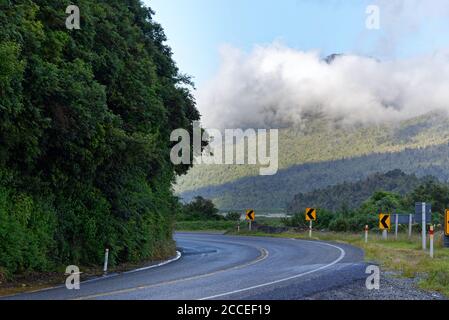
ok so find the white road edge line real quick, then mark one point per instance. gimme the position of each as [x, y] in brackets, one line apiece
[178, 256]
[342, 255]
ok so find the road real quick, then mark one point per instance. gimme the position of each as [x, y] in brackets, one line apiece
[230, 268]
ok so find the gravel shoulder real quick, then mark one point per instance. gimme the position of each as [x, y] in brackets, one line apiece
[392, 287]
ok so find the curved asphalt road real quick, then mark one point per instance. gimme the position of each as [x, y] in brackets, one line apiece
[230, 268]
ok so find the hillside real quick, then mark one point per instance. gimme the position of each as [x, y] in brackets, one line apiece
[352, 195]
[320, 141]
[273, 193]
[320, 154]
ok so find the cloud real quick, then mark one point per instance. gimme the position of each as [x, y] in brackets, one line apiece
[401, 19]
[275, 86]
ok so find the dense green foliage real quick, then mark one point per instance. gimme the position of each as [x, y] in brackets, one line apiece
[353, 194]
[85, 121]
[354, 219]
[233, 216]
[199, 209]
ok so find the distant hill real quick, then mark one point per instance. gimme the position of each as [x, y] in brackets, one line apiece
[274, 193]
[321, 154]
[353, 194]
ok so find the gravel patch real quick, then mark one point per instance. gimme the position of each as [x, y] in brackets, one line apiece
[392, 287]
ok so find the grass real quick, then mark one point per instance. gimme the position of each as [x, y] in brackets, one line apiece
[403, 255]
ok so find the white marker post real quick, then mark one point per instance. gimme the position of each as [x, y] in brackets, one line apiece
[310, 229]
[385, 234]
[366, 233]
[431, 241]
[424, 239]
[106, 258]
[410, 222]
[238, 227]
[396, 226]
[249, 225]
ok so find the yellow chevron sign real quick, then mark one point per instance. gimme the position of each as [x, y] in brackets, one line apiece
[384, 221]
[250, 215]
[310, 214]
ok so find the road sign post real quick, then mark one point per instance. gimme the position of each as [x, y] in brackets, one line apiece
[423, 235]
[250, 217]
[310, 216]
[431, 241]
[410, 223]
[396, 226]
[446, 228]
[310, 229]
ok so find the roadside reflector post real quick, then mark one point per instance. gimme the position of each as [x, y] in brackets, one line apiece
[396, 226]
[238, 227]
[366, 233]
[106, 258]
[385, 234]
[410, 222]
[424, 237]
[310, 229]
[431, 232]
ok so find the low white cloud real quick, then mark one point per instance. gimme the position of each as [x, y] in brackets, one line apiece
[275, 86]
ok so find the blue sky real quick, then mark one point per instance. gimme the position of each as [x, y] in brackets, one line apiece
[198, 28]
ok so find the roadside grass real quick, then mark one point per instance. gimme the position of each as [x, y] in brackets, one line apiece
[403, 255]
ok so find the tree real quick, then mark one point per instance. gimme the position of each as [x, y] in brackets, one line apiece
[382, 201]
[233, 216]
[433, 192]
[201, 209]
[85, 123]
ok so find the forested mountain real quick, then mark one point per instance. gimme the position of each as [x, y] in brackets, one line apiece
[320, 154]
[274, 193]
[318, 140]
[85, 121]
[352, 195]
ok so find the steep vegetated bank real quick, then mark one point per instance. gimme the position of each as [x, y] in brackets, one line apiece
[85, 121]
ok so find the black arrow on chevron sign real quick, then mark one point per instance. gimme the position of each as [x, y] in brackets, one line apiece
[384, 220]
[250, 215]
[310, 213]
